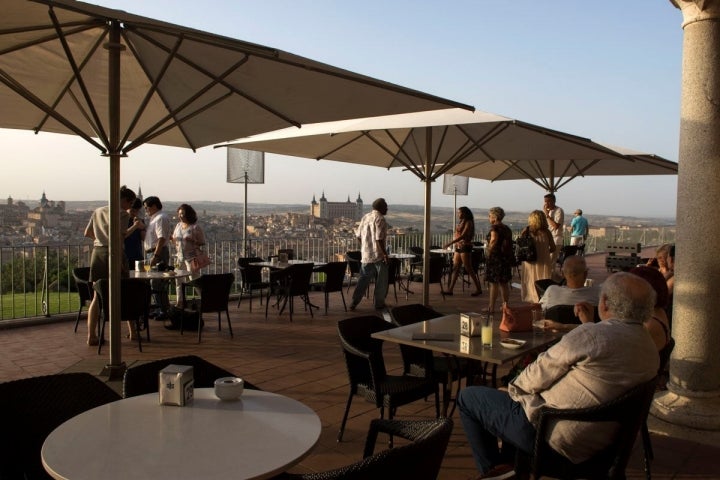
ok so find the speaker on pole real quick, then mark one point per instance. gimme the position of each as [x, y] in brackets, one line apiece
[455, 185]
[245, 166]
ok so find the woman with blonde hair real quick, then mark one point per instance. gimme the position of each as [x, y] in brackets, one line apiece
[542, 267]
[499, 257]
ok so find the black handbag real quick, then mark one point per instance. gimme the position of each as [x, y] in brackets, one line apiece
[525, 250]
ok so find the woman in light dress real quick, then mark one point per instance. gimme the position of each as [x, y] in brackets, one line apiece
[542, 267]
[188, 238]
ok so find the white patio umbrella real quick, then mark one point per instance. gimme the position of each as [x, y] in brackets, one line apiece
[430, 144]
[119, 80]
[555, 173]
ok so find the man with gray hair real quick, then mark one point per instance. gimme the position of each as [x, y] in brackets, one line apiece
[592, 364]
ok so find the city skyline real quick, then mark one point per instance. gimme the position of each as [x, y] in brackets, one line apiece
[609, 71]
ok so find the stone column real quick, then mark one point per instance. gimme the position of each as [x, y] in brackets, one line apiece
[693, 396]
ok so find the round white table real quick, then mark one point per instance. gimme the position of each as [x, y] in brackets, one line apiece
[258, 436]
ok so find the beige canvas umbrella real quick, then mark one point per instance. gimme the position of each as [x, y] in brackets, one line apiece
[119, 80]
[430, 144]
[551, 174]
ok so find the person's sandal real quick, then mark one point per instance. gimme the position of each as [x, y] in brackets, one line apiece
[475, 294]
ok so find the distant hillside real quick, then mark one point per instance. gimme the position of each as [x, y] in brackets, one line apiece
[399, 216]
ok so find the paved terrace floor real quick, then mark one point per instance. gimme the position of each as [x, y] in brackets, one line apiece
[303, 360]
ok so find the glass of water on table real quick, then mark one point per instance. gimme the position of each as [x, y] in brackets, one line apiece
[538, 316]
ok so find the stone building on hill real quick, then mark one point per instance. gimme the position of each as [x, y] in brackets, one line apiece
[326, 210]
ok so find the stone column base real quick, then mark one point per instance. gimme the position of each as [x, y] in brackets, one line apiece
[700, 412]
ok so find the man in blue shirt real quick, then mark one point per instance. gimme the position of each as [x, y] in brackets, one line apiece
[579, 229]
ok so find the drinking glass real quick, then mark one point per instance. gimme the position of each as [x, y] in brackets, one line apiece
[486, 332]
[146, 265]
[538, 323]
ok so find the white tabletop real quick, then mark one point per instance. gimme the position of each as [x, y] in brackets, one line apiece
[155, 275]
[257, 436]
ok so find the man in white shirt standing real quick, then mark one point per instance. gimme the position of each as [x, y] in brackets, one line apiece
[556, 221]
[157, 238]
[372, 233]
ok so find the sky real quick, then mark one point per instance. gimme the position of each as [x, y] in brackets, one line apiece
[607, 70]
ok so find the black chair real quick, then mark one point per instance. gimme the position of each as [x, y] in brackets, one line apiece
[566, 314]
[422, 363]
[334, 278]
[251, 277]
[394, 275]
[567, 251]
[647, 444]
[31, 408]
[367, 374]
[629, 411]
[214, 297]
[143, 378]
[81, 275]
[354, 261]
[416, 263]
[135, 298]
[288, 283]
[289, 251]
[543, 284]
[437, 268]
[420, 459]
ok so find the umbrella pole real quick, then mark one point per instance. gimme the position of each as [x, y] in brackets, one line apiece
[426, 226]
[115, 368]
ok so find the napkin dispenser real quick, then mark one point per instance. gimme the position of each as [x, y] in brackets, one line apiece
[176, 385]
[471, 323]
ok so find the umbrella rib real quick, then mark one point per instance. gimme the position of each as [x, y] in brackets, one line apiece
[178, 121]
[68, 85]
[145, 137]
[340, 147]
[153, 87]
[230, 87]
[81, 83]
[29, 96]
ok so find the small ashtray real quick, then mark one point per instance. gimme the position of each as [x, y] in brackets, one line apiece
[229, 388]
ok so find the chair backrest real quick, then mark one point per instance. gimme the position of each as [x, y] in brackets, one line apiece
[81, 275]
[393, 270]
[420, 459]
[353, 257]
[214, 291]
[31, 408]
[363, 354]
[143, 378]
[629, 411]
[289, 251]
[566, 314]
[250, 274]
[543, 284]
[665, 353]
[437, 266]
[299, 275]
[334, 276]
[418, 252]
[566, 251]
[407, 315]
[135, 297]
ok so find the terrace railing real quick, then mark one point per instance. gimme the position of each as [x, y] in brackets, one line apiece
[36, 281]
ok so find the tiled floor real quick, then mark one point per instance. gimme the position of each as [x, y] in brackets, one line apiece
[303, 360]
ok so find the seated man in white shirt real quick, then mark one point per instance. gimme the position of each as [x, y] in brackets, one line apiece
[574, 291]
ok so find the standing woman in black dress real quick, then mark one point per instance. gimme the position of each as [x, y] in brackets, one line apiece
[499, 257]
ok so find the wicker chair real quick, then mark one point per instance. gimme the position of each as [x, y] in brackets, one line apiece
[367, 373]
[647, 444]
[135, 298]
[143, 378]
[629, 410]
[214, 297]
[334, 278]
[353, 259]
[422, 363]
[251, 276]
[420, 459]
[31, 408]
[81, 275]
[288, 283]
